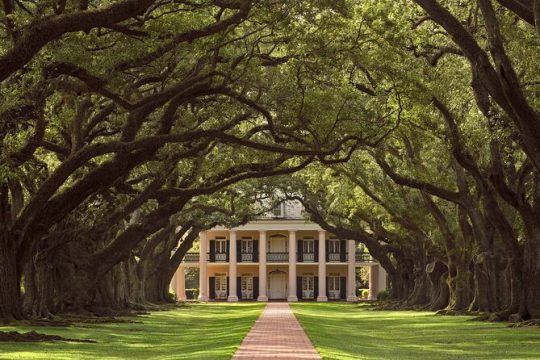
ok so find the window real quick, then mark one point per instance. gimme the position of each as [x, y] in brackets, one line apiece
[308, 246]
[278, 210]
[247, 283]
[307, 283]
[221, 246]
[333, 246]
[247, 246]
[221, 282]
[333, 283]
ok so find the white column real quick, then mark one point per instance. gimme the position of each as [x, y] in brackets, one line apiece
[382, 278]
[203, 271]
[172, 285]
[373, 282]
[181, 284]
[262, 267]
[351, 271]
[321, 296]
[292, 266]
[232, 267]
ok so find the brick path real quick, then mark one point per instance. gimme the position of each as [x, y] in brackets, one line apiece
[276, 335]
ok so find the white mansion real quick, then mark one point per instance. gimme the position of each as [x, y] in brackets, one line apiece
[278, 256]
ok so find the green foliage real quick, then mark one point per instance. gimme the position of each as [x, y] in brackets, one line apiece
[383, 294]
[192, 294]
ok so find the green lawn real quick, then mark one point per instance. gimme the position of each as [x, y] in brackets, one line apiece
[345, 331]
[196, 331]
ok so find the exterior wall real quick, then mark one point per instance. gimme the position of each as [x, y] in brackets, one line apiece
[291, 210]
[280, 261]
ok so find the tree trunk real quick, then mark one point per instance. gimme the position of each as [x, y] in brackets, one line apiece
[10, 294]
[437, 273]
[530, 305]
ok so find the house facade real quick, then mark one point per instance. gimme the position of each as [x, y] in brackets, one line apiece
[278, 256]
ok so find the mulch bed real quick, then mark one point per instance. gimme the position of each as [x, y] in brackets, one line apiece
[33, 336]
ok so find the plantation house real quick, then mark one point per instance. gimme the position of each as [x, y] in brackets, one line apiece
[278, 256]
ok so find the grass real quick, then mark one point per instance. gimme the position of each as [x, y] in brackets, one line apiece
[195, 331]
[346, 331]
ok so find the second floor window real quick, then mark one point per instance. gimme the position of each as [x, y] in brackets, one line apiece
[333, 246]
[247, 246]
[308, 246]
[221, 246]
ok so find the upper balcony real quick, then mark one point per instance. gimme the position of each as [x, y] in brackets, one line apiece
[278, 257]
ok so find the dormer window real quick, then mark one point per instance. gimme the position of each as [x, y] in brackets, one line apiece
[278, 211]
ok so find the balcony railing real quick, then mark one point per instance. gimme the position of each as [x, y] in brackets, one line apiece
[221, 257]
[246, 257]
[308, 257]
[361, 257]
[191, 257]
[277, 257]
[334, 257]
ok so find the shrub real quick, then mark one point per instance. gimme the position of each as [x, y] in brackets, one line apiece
[192, 294]
[383, 294]
[363, 293]
[172, 296]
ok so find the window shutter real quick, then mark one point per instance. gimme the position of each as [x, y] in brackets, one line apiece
[316, 287]
[228, 286]
[299, 287]
[212, 287]
[343, 287]
[239, 287]
[227, 250]
[316, 251]
[255, 288]
[300, 252]
[342, 248]
[327, 286]
[212, 251]
[327, 249]
[256, 251]
[239, 250]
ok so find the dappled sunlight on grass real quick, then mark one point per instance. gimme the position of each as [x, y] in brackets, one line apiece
[194, 331]
[347, 331]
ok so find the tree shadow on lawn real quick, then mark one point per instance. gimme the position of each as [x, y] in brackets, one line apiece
[345, 331]
[196, 331]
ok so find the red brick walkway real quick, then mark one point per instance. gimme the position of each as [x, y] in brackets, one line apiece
[276, 335]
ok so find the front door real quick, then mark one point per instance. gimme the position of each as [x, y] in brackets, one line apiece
[308, 287]
[277, 285]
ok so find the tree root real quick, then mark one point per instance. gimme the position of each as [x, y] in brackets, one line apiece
[33, 336]
[528, 323]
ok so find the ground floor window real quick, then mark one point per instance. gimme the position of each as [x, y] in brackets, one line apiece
[333, 286]
[247, 287]
[308, 287]
[221, 286]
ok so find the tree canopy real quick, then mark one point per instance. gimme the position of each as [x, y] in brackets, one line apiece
[129, 126]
